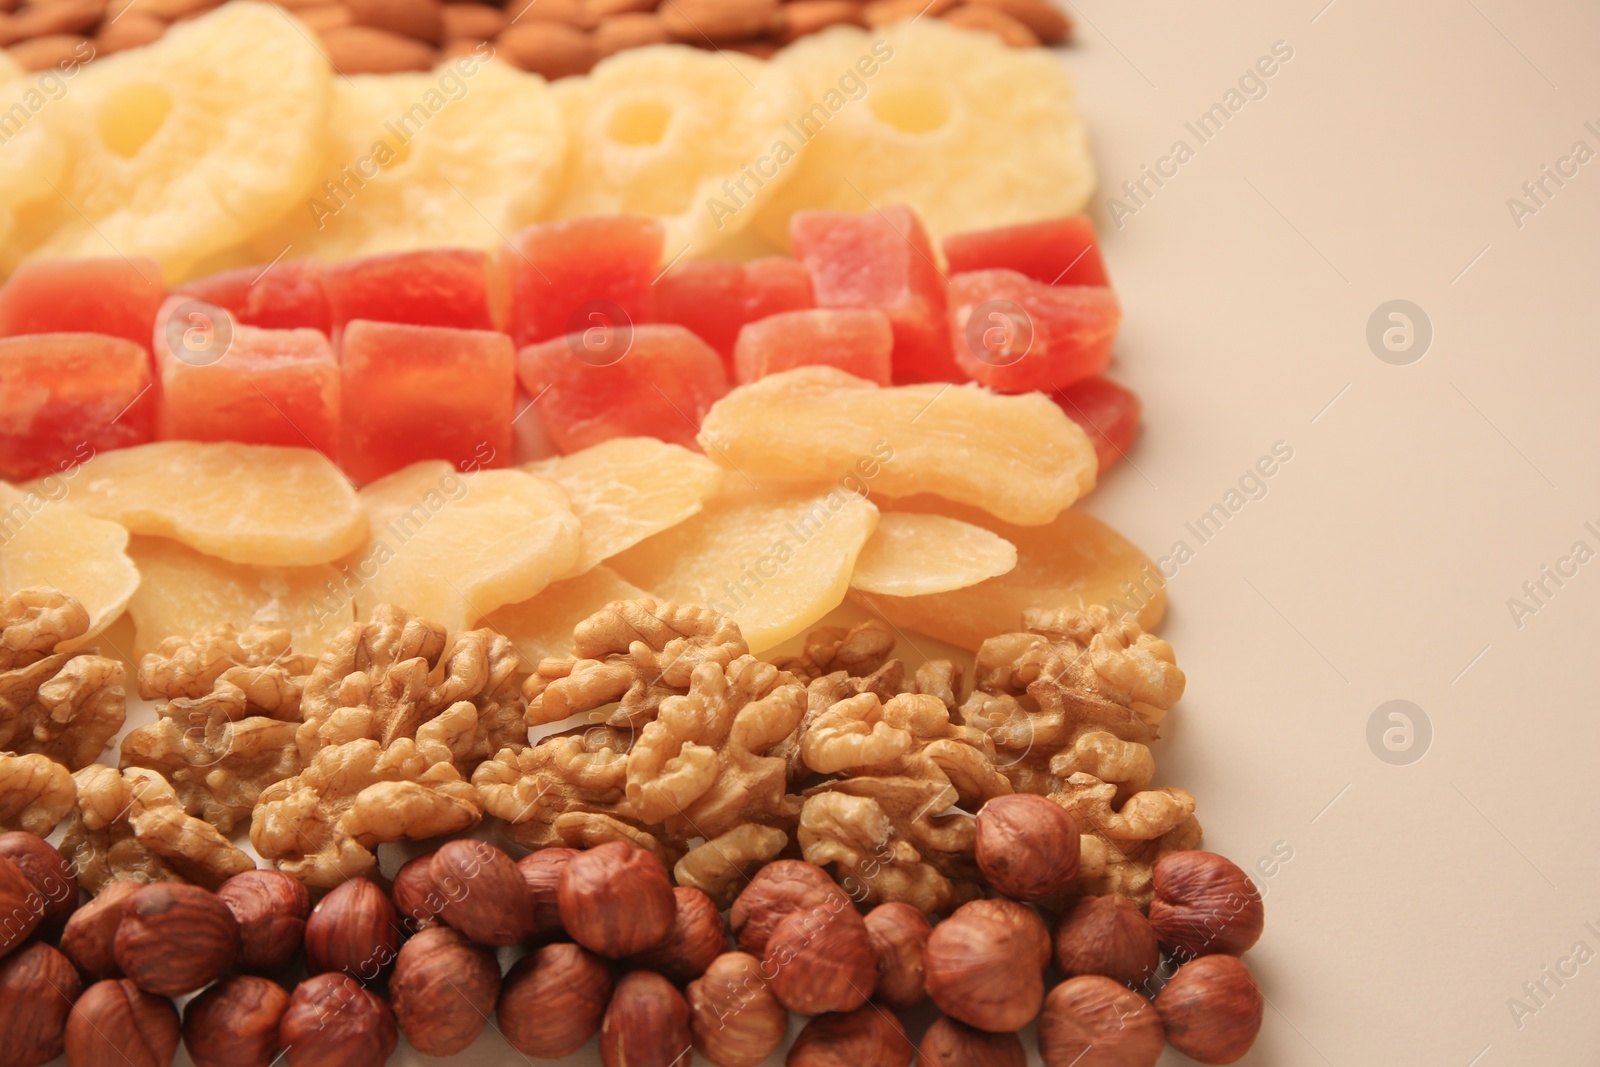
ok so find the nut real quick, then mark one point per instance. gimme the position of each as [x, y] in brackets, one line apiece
[1211, 1009]
[49, 873]
[21, 907]
[444, 988]
[646, 1025]
[484, 894]
[736, 1020]
[353, 929]
[271, 909]
[822, 960]
[117, 1022]
[778, 889]
[1109, 936]
[91, 933]
[415, 893]
[37, 989]
[852, 1039]
[334, 1021]
[1029, 926]
[951, 1044]
[616, 900]
[899, 935]
[1093, 1021]
[541, 871]
[975, 972]
[552, 1001]
[174, 939]
[1027, 846]
[698, 936]
[1204, 904]
[235, 1023]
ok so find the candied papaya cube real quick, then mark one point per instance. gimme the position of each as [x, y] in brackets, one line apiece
[427, 287]
[775, 284]
[113, 296]
[881, 259]
[856, 340]
[1015, 335]
[716, 298]
[1108, 413]
[576, 274]
[1060, 251]
[410, 393]
[66, 396]
[290, 295]
[655, 380]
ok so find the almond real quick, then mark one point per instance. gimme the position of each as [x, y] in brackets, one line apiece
[633, 29]
[55, 50]
[883, 12]
[995, 21]
[325, 17]
[801, 18]
[552, 49]
[364, 50]
[719, 21]
[603, 8]
[574, 13]
[60, 17]
[478, 21]
[419, 19]
[133, 30]
[1047, 23]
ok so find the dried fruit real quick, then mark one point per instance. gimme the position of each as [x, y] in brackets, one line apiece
[175, 939]
[977, 970]
[552, 1000]
[1093, 1021]
[78, 555]
[951, 1044]
[485, 896]
[865, 1035]
[1211, 1009]
[333, 1021]
[697, 937]
[616, 900]
[271, 909]
[38, 987]
[915, 555]
[1204, 904]
[736, 1021]
[899, 935]
[1027, 846]
[646, 1024]
[822, 960]
[353, 929]
[117, 1022]
[235, 1023]
[1107, 935]
[541, 628]
[444, 988]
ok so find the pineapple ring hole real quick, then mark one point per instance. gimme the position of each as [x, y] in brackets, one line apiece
[640, 122]
[910, 108]
[131, 117]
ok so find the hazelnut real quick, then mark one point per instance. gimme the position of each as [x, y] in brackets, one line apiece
[975, 969]
[951, 1044]
[822, 960]
[698, 936]
[1204, 904]
[38, 986]
[737, 1022]
[616, 900]
[852, 1039]
[48, 872]
[271, 909]
[1211, 1009]
[117, 1022]
[1110, 936]
[1027, 922]
[541, 871]
[1027, 846]
[21, 907]
[1095, 1021]
[646, 1025]
[91, 933]
[353, 929]
[334, 1021]
[174, 939]
[777, 889]
[415, 894]
[899, 934]
[235, 1023]
[552, 1000]
[484, 895]
[443, 989]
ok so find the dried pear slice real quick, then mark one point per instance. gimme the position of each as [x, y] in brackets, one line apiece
[541, 628]
[50, 544]
[915, 555]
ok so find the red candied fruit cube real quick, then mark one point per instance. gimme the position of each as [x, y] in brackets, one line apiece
[66, 396]
[430, 287]
[658, 382]
[1108, 413]
[410, 393]
[114, 296]
[881, 259]
[856, 340]
[574, 274]
[290, 295]
[1064, 251]
[1015, 335]
[775, 284]
[715, 298]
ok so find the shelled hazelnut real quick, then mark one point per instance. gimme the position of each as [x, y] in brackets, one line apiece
[822, 961]
[443, 989]
[777, 889]
[975, 966]
[90, 935]
[852, 1039]
[334, 1021]
[38, 987]
[646, 1023]
[951, 1044]
[271, 909]
[697, 936]
[899, 934]
[175, 939]
[1030, 928]
[116, 1022]
[736, 1020]
[353, 929]
[48, 871]
[553, 999]
[541, 872]
[22, 903]
[235, 1023]
[1211, 1009]
[1204, 904]
[484, 895]
[415, 895]
[1107, 935]
[1027, 846]
[616, 900]
[1095, 1021]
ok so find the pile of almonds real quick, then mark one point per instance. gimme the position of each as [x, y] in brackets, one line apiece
[612, 947]
[554, 38]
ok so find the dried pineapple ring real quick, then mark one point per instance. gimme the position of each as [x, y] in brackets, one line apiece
[34, 160]
[454, 547]
[685, 135]
[184, 147]
[1017, 457]
[776, 562]
[443, 159]
[49, 544]
[968, 132]
[541, 628]
[625, 489]
[914, 555]
[262, 504]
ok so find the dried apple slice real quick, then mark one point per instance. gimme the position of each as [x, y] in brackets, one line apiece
[1073, 562]
[541, 628]
[261, 504]
[625, 489]
[775, 561]
[453, 547]
[914, 555]
[1018, 457]
[183, 592]
[46, 543]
